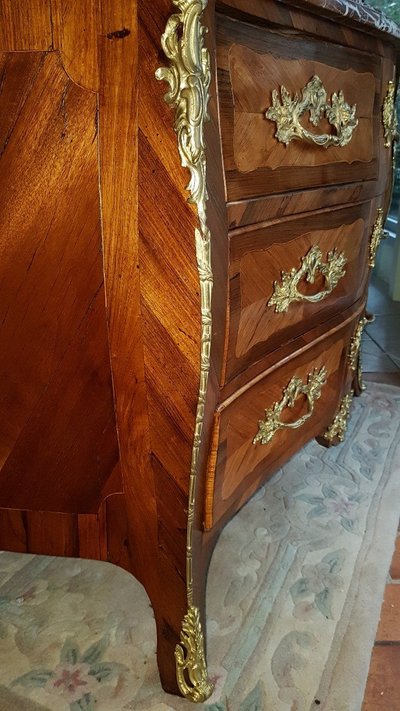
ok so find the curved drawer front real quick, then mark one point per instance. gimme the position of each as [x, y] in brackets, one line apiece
[287, 277]
[295, 112]
[273, 418]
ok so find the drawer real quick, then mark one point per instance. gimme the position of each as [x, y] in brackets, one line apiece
[239, 462]
[287, 277]
[281, 97]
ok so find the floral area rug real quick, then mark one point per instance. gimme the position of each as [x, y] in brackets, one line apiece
[294, 595]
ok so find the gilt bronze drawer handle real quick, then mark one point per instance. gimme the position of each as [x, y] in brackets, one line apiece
[272, 421]
[287, 112]
[389, 116]
[333, 270]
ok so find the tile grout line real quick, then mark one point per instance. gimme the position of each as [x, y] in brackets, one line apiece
[375, 341]
[391, 359]
[382, 350]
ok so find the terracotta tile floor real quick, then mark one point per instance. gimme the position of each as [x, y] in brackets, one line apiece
[383, 686]
[381, 361]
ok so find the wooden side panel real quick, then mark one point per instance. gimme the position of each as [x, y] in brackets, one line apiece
[118, 131]
[153, 304]
[101, 536]
[49, 533]
[118, 547]
[170, 308]
[12, 531]
[58, 442]
[76, 26]
[25, 25]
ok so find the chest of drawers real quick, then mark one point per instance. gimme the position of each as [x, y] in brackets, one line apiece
[166, 346]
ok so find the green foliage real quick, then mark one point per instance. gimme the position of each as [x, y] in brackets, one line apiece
[86, 703]
[33, 679]
[70, 653]
[107, 670]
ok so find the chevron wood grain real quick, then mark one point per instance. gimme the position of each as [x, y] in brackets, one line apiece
[100, 302]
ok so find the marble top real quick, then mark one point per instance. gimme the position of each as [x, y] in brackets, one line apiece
[358, 11]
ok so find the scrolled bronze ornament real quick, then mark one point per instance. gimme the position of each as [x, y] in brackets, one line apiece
[286, 111]
[389, 115]
[312, 264]
[273, 422]
[378, 233]
[190, 660]
[188, 75]
[338, 428]
[355, 351]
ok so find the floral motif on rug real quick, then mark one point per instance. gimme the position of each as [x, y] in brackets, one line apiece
[295, 586]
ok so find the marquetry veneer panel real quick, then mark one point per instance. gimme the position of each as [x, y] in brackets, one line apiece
[240, 464]
[259, 257]
[252, 63]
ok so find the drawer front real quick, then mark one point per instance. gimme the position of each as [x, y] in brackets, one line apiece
[295, 112]
[281, 412]
[285, 278]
